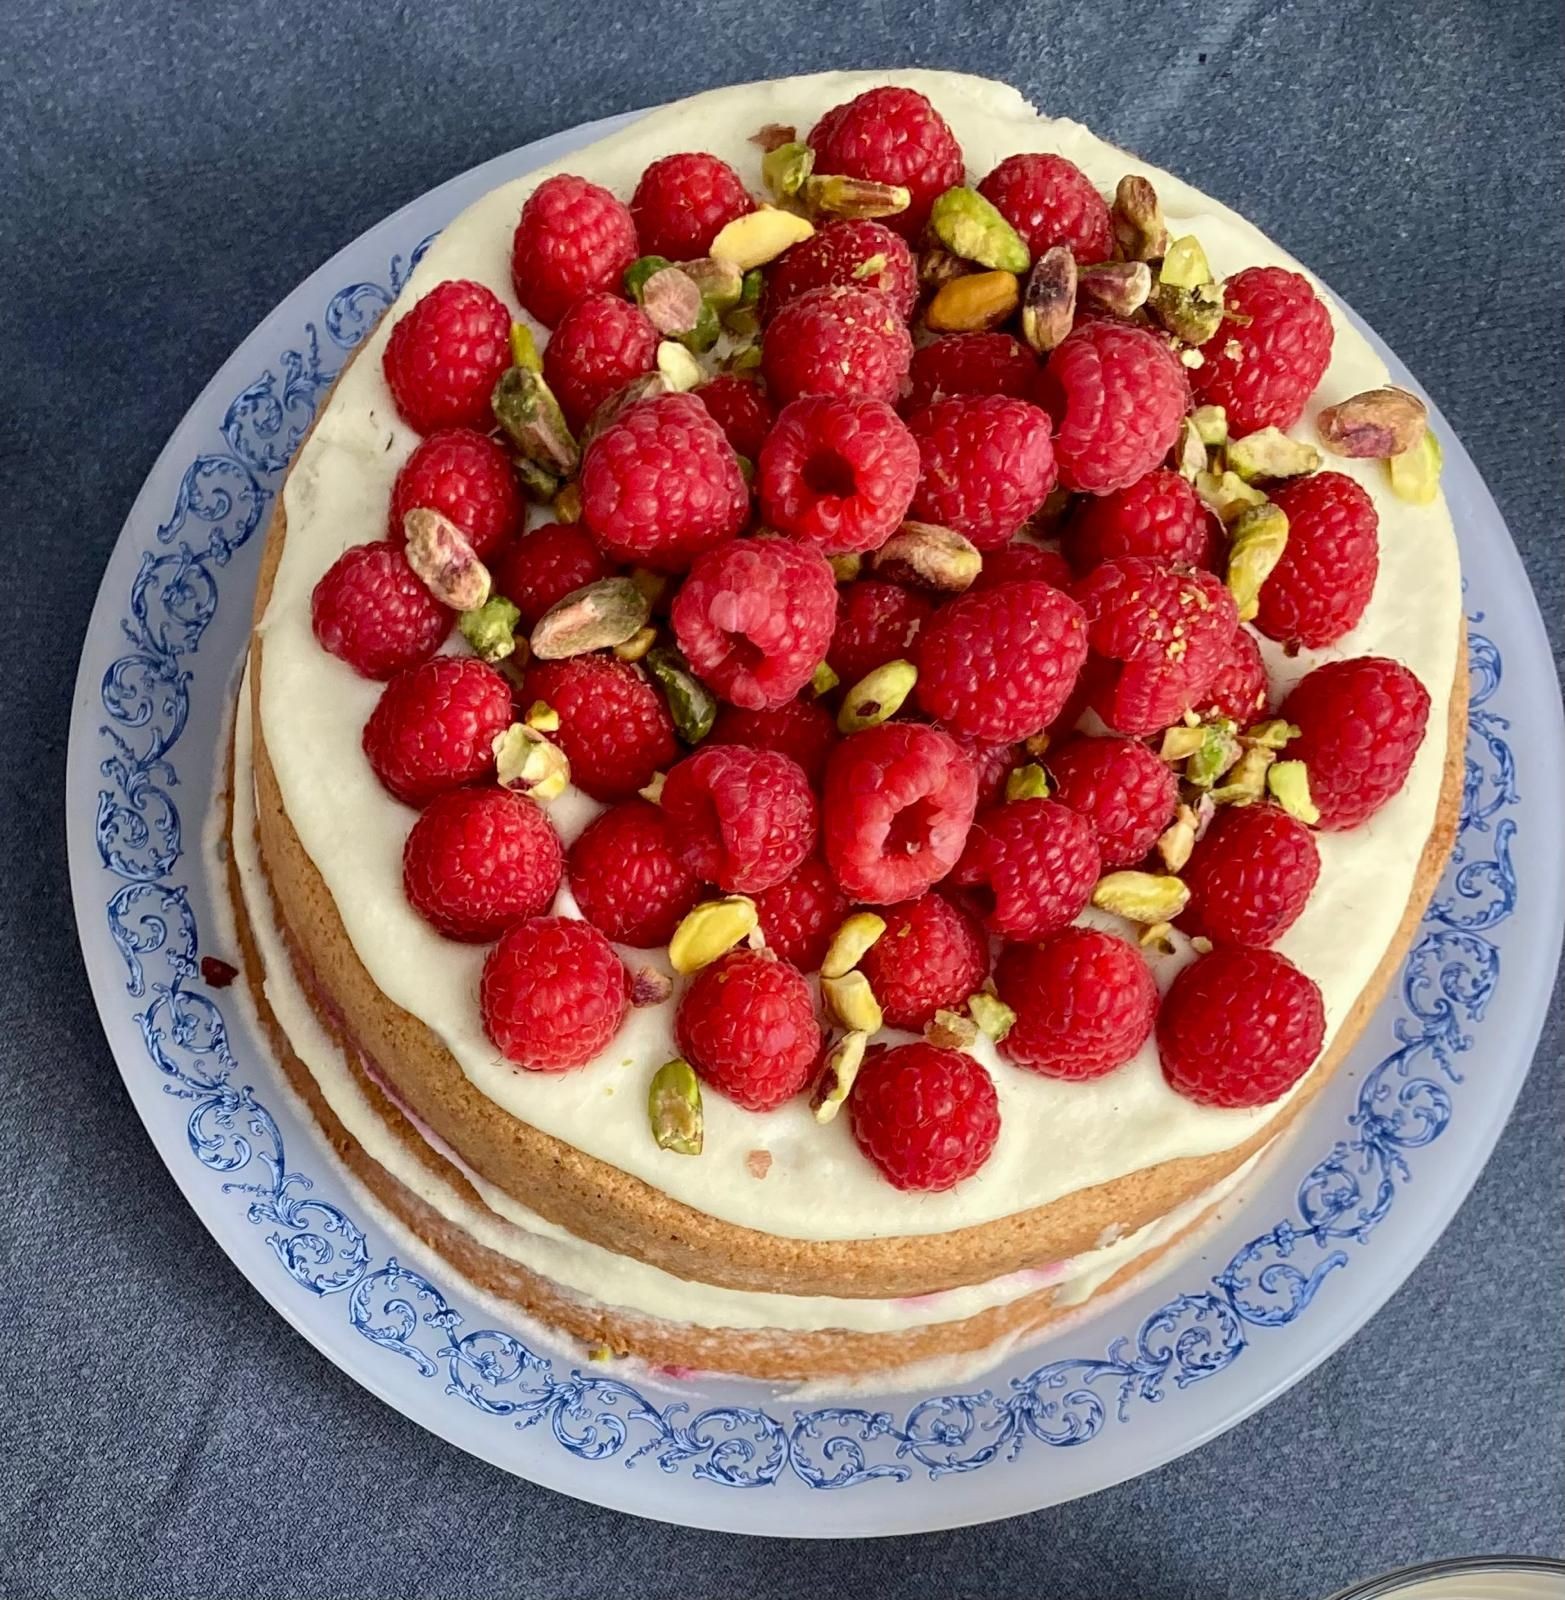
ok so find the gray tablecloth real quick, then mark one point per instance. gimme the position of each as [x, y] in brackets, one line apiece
[167, 173]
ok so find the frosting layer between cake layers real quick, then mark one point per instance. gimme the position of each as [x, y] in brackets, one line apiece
[1056, 1137]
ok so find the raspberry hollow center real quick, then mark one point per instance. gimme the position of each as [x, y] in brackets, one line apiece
[827, 473]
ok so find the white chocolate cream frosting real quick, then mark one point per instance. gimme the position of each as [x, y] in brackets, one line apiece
[1055, 1137]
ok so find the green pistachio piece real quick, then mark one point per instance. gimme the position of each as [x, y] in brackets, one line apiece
[850, 943]
[1270, 453]
[1256, 542]
[1141, 896]
[597, 616]
[1177, 840]
[838, 1071]
[1185, 265]
[1211, 425]
[1138, 220]
[637, 645]
[538, 483]
[1191, 457]
[835, 196]
[640, 270]
[951, 1031]
[443, 559]
[530, 764]
[1227, 494]
[784, 169]
[674, 1108]
[940, 558]
[1289, 783]
[1380, 423]
[1180, 743]
[969, 226]
[542, 717]
[851, 1000]
[526, 409]
[1218, 751]
[677, 367]
[710, 930]
[994, 1017]
[759, 236]
[1027, 783]
[1274, 734]
[823, 680]
[937, 267]
[1049, 299]
[877, 697]
[1245, 781]
[721, 283]
[490, 629]
[671, 301]
[690, 703]
[1118, 287]
[1192, 315]
[524, 348]
[845, 568]
[1415, 474]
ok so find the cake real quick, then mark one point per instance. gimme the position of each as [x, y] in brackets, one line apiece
[910, 538]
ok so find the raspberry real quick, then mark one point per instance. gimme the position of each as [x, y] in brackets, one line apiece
[627, 878]
[467, 477]
[1319, 590]
[993, 764]
[661, 484]
[1084, 1003]
[572, 239]
[479, 860]
[553, 994]
[931, 957]
[683, 202]
[1012, 562]
[927, 1117]
[838, 472]
[740, 818]
[876, 623]
[434, 726]
[836, 341]
[1158, 636]
[999, 665]
[802, 729]
[614, 727]
[1239, 689]
[746, 1023]
[1031, 865]
[1249, 876]
[546, 565]
[444, 356]
[601, 343]
[370, 610]
[1158, 517]
[891, 135]
[1262, 372]
[1121, 788]
[1050, 201]
[799, 915]
[1360, 725]
[969, 363]
[1116, 395]
[853, 254]
[899, 801]
[754, 618]
[985, 465]
[740, 408]
[1239, 1027]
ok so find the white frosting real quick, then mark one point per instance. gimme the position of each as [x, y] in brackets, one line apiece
[1056, 1137]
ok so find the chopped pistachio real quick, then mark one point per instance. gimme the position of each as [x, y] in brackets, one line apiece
[1227, 494]
[1289, 783]
[1141, 896]
[1192, 315]
[654, 585]
[850, 942]
[846, 568]
[994, 1017]
[641, 271]
[1138, 219]
[1219, 750]
[976, 300]
[1256, 542]
[1049, 300]
[528, 763]
[690, 703]
[652, 789]
[490, 629]
[567, 503]
[680, 370]
[526, 409]
[1158, 936]
[1270, 453]
[649, 987]
[1028, 782]
[832, 195]
[1185, 265]
[444, 561]
[1211, 425]
[597, 616]
[1182, 742]
[672, 301]
[823, 680]
[1245, 781]
[759, 236]
[711, 930]
[939, 557]
[721, 283]
[524, 348]
[1274, 734]
[538, 483]
[674, 1108]
[972, 227]
[1379, 423]
[852, 1002]
[1177, 840]
[542, 717]
[937, 266]
[1201, 945]
[838, 1071]
[951, 1030]
[1191, 458]
[637, 645]
[1415, 474]
[1118, 287]
[785, 168]
[877, 696]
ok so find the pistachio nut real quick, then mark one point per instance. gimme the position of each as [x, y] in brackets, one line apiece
[1256, 542]
[679, 369]
[674, 1108]
[1157, 936]
[772, 134]
[595, 617]
[444, 561]
[951, 1031]
[937, 266]
[524, 348]
[838, 1071]
[490, 629]
[1192, 315]
[972, 227]
[743, 320]
[1289, 783]
[1139, 228]
[1379, 423]
[1191, 456]
[652, 790]
[637, 645]
[721, 283]
[542, 717]
[939, 558]
[1177, 840]
[567, 503]
[759, 236]
[1211, 425]
[710, 930]
[994, 1017]
[975, 300]
[528, 763]
[852, 1002]
[823, 680]
[1185, 265]
[690, 703]
[836, 196]
[1119, 287]
[649, 987]
[672, 301]
[1049, 301]
[525, 407]
[1201, 945]
[1181, 742]
[785, 167]
[1245, 781]
[1227, 494]
[1028, 782]
[850, 942]
[1274, 734]
[1218, 751]
[877, 696]
[538, 483]
[654, 585]
[1270, 453]
[743, 357]
[1415, 474]
[1141, 896]
[845, 568]
[640, 272]
[1036, 745]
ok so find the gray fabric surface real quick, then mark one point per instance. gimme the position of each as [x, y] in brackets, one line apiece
[167, 173]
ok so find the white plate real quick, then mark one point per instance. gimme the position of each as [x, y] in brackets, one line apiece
[1328, 1228]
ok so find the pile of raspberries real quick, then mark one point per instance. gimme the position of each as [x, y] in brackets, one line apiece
[994, 537]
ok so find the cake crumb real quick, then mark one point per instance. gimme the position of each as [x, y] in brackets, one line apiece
[759, 1162]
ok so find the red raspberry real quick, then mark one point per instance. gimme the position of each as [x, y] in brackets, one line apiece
[740, 818]
[927, 1117]
[740, 408]
[546, 565]
[553, 994]
[1012, 562]
[838, 472]
[754, 618]
[614, 727]
[370, 610]
[1262, 372]
[1158, 636]
[800, 914]
[891, 135]
[1360, 725]
[1239, 689]
[479, 860]
[1050, 201]
[1121, 788]
[985, 465]
[969, 363]
[1031, 865]
[434, 727]
[899, 800]
[999, 665]
[802, 729]
[1319, 590]
[853, 254]
[661, 484]
[572, 239]
[445, 355]
[627, 878]
[993, 763]
[836, 341]
[467, 477]
[1249, 876]
[683, 202]
[1084, 1003]
[876, 623]
[1158, 517]
[931, 957]
[746, 1023]
[1239, 1027]
[1117, 396]
[602, 342]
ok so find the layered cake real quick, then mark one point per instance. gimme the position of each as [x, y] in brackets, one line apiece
[853, 699]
